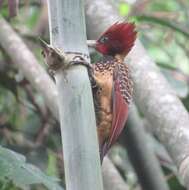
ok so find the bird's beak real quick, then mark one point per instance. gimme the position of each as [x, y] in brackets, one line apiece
[91, 43]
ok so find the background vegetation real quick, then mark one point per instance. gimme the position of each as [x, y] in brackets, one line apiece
[27, 126]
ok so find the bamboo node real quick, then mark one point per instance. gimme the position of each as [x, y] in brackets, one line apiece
[57, 59]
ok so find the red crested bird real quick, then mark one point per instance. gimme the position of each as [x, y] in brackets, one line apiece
[110, 79]
[112, 89]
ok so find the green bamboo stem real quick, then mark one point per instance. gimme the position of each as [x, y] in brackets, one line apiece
[77, 117]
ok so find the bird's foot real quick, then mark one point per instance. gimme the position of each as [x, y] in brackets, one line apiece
[78, 59]
[94, 84]
[57, 59]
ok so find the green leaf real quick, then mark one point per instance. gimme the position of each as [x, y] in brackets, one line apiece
[124, 9]
[14, 167]
[52, 163]
[174, 184]
[168, 5]
[34, 16]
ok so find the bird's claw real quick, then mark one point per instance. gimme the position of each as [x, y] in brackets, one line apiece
[80, 60]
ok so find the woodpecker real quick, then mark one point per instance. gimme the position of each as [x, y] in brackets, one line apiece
[112, 85]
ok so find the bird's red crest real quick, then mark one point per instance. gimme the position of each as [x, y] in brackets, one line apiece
[118, 39]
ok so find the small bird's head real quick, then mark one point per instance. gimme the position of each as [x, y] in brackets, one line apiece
[117, 40]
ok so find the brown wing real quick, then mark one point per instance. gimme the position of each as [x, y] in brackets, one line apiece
[121, 96]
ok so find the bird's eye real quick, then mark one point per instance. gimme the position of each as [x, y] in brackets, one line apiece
[103, 39]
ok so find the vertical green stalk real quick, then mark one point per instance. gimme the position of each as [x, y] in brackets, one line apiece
[77, 117]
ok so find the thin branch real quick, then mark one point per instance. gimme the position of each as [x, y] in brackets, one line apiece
[42, 23]
[28, 64]
[13, 7]
[39, 111]
[152, 93]
[111, 177]
[164, 22]
[141, 155]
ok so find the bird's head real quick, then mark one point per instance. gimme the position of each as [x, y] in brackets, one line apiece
[117, 40]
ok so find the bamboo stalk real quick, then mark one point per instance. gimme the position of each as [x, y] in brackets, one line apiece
[77, 117]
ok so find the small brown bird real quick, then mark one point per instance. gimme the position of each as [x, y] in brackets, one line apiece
[113, 87]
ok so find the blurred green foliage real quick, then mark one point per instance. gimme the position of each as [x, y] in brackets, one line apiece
[163, 30]
[124, 9]
[26, 125]
[14, 168]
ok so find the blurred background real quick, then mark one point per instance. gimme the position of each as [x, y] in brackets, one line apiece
[27, 126]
